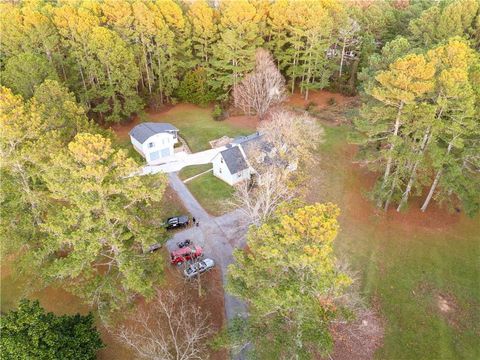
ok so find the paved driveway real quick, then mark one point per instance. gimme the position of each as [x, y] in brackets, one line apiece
[182, 160]
[219, 236]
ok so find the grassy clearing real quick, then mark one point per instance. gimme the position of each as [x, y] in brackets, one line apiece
[197, 126]
[212, 193]
[189, 171]
[407, 262]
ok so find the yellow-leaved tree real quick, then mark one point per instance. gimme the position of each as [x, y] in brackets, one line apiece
[289, 278]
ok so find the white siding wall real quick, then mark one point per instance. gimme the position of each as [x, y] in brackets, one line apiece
[160, 142]
[220, 170]
[137, 146]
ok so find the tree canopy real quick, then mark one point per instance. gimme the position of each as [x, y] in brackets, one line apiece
[31, 333]
[70, 204]
[289, 278]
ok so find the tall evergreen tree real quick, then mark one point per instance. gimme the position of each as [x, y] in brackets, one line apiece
[436, 128]
[239, 38]
[204, 20]
[115, 75]
[25, 71]
[292, 295]
[439, 23]
[104, 220]
[453, 153]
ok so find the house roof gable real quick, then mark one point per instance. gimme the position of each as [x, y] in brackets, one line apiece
[234, 159]
[143, 131]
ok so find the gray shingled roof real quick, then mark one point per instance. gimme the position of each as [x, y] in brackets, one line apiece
[253, 143]
[143, 131]
[234, 159]
[242, 139]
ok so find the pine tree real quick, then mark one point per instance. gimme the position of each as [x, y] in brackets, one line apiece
[437, 125]
[25, 71]
[456, 65]
[204, 22]
[407, 79]
[239, 38]
[31, 133]
[112, 65]
[437, 24]
[103, 221]
[291, 294]
[30, 333]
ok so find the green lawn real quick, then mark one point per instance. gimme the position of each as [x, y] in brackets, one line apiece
[197, 126]
[212, 193]
[189, 171]
[405, 261]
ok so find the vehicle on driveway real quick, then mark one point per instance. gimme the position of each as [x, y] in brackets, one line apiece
[184, 243]
[152, 248]
[177, 222]
[187, 253]
[198, 268]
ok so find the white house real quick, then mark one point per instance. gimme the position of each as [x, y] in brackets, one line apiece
[234, 164]
[230, 165]
[154, 141]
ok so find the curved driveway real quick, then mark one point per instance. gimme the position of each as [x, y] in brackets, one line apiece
[219, 236]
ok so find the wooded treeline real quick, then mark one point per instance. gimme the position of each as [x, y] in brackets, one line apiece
[117, 55]
[419, 125]
[71, 211]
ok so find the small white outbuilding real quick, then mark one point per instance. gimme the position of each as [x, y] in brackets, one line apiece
[154, 141]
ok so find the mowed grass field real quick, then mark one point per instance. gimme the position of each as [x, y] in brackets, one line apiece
[420, 271]
[190, 171]
[197, 126]
[212, 193]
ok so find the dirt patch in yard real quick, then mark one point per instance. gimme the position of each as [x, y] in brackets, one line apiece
[210, 301]
[155, 115]
[447, 306]
[122, 129]
[359, 339]
[320, 99]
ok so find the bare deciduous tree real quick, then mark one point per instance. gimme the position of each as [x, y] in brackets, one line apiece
[259, 199]
[174, 329]
[262, 88]
[291, 138]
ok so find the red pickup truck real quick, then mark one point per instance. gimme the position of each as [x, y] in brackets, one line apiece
[185, 254]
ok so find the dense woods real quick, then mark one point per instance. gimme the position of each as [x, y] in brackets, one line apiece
[74, 215]
[69, 203]
[118, 55]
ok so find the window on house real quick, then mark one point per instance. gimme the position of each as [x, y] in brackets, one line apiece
[221, 160]
[220, 170]
[239, 174]
[151, 145]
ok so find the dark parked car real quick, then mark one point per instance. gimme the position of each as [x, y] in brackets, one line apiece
[184, 243]
[177, 221]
